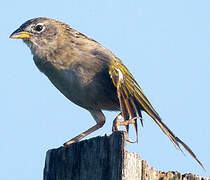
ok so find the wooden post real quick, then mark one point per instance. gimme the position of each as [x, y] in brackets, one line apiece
[103, 158]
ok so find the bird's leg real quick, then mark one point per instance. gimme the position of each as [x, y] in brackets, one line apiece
[117, 122]
[100, 120]
[83, 134]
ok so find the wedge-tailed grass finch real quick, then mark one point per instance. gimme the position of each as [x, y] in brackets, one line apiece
[89, 75]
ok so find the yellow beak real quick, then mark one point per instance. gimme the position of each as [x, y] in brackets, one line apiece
[20, 35]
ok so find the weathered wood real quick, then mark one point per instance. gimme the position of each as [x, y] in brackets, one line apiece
[93, 159]
[103, 158]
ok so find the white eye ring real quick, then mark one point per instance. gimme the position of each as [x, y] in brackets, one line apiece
[39, 27]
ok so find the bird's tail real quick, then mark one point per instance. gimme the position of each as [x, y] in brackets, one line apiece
[132, 101]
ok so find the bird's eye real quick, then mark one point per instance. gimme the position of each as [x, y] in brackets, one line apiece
[38, 28]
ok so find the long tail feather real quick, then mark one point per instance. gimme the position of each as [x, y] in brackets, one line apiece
[132, 101]
[190, 151]
[174, 139]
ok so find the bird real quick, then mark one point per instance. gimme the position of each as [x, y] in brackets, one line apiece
[89, 75]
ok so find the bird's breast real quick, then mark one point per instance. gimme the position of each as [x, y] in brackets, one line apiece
[89, 88]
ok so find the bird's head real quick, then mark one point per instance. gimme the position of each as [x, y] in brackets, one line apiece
[41, 34]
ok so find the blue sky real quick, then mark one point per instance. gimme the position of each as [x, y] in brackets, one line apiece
[165, 44]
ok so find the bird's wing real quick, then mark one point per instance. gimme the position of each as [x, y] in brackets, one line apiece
[132, 101]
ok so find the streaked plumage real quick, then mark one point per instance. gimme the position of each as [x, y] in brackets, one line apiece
[89, 75]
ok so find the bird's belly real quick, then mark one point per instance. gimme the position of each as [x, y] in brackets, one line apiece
[90, 91]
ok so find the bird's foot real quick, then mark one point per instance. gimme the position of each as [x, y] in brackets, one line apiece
[68, 143]
[117, 123]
